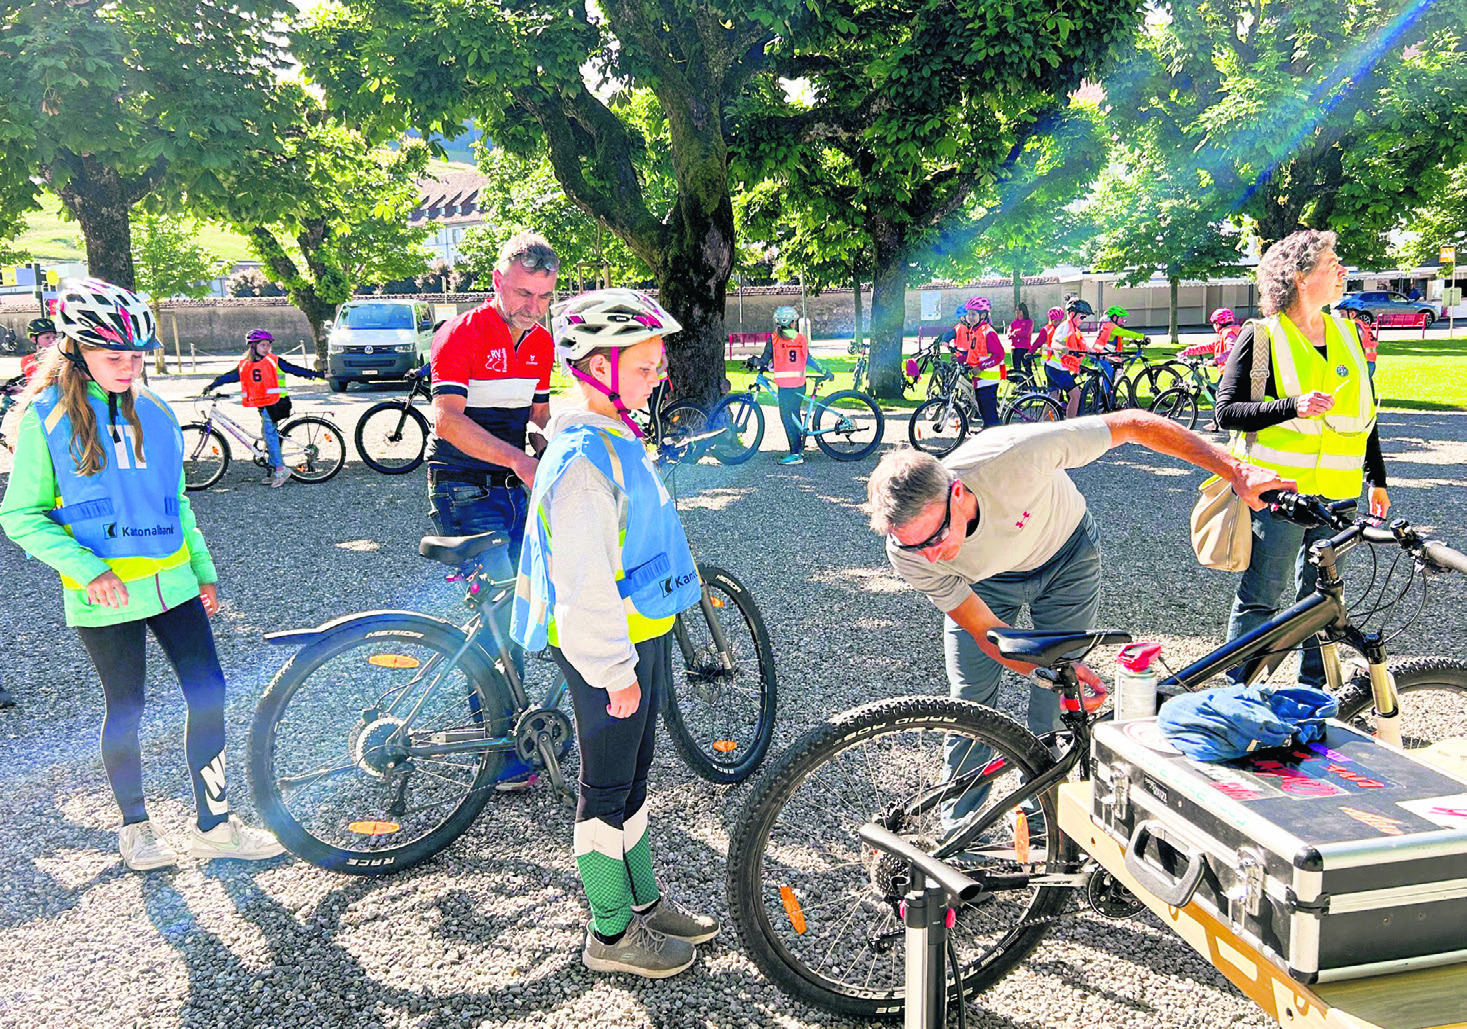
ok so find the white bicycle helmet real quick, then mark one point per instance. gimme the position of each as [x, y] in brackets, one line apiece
[607, 318]
[98, 314]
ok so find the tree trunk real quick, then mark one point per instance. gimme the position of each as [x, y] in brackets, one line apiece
[888, 311]
[1176, 284]
[101, 202]
[1018, 285]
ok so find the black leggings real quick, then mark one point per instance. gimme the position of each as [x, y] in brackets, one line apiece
[117, 652]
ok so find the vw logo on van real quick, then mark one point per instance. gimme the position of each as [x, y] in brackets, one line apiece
[366, 350]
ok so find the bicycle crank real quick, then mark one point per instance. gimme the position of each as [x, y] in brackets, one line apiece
[542, 737]
[1110, 898]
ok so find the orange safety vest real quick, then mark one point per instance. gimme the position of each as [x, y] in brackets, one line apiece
[259, 381]
[1368, 341]
[962, 340]
[981, 357]
[790, 357]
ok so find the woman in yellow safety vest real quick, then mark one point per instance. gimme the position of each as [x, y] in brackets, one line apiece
[1315, 423]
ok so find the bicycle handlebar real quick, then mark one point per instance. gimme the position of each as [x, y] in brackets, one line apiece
[1444, 557]
[1308, 510]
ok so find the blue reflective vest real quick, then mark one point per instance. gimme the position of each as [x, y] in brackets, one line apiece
[656, 575]
[128, 513]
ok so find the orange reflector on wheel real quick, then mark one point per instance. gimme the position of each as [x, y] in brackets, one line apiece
[725, 746]
[792, 908]
[374, 828]
[716, 601]
[1021, 837]
[392, 661]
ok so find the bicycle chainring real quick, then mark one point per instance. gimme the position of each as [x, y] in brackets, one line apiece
[1110, 898]
[374, 749]
[536, 721]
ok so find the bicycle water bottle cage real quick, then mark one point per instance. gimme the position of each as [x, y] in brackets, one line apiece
[1047, 648]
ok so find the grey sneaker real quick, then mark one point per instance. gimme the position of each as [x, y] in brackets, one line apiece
[143, 849]
[233, 839]
[672, 919]
[640, 951]
[279, 477]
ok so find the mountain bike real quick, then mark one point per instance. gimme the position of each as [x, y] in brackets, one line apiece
[1180, 403]
[929, 361]
[819, 912]
[312, 448]
[938, 426]
[675, 429]
[392, 437]
[381, 739]
[862, 353]
[847, 424]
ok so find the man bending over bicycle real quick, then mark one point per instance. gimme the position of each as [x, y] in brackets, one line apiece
[788, 352]
[998, 525]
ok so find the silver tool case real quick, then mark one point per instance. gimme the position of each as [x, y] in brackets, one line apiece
[1338, 860]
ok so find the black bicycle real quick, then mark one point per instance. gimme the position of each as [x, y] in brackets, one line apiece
[392, 437]
[381, 739]
[819, 911]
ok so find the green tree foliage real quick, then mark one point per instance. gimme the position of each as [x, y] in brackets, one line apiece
[102, 103]
[167, 259]
[1440, 222]
[927, 103]
[1320, 113]
[327, 212]
[531, 73]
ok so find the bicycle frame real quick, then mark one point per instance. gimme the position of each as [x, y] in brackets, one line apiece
[250, 441]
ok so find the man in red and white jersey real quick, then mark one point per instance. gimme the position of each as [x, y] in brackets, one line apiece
[491, 379]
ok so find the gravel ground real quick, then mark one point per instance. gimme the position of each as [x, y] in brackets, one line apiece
[488, 933]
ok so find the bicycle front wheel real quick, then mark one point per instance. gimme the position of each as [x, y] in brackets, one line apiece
[937, 427]
[348, 775]
[392, 437]
[818, 912]
[1432, 693]
[1167, 375]
[1034, 407]
[1178, 405]
[740, 422]
[720, 711]
[312, 448]
[205, 456]
[847, 425]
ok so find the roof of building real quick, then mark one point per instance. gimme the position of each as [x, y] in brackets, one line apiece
[455, 191]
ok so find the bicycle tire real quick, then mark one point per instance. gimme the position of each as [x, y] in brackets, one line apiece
[1093, 398]
[326, 706]
[205, 456]
[722, 721]
[1178, 405]
[1123, 393]
[1167, 375]
[1432, 693]
[741, 421]
[679, 420]
[847, 425]
[1034, 407]
[937, 427]
[392, 437]
[313, 449]
[779, 898]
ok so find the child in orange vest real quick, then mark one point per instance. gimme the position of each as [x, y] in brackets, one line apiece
[258, 374]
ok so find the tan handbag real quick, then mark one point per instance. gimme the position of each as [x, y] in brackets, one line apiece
[1221, 524]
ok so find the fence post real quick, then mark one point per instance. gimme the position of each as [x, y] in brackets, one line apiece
[177, 350]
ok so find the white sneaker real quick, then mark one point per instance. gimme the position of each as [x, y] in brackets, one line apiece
[279, 477]
[142, 848]
[233, 839]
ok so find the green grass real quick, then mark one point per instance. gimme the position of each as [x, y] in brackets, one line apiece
[50, 236]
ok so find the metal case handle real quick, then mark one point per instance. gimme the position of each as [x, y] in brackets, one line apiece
[1176, 891]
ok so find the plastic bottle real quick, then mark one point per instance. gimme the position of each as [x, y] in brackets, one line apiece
[1135, 682]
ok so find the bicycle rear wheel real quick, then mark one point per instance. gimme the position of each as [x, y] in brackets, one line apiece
[741, 424]
[1178, 405]
[205, 456]
[339, 774]
[1167, 375]
[392, 437]
[817, 912]
[682, 420]
[847, 425]
[312, 448]
[720, 710]
[1432, 693]
[1034, 407]
[937, 427]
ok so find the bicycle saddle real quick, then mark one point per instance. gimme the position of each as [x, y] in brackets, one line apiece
[1048, 648]
[460, 550]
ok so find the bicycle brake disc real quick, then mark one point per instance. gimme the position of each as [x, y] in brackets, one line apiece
[535, 721]
[1109, 897]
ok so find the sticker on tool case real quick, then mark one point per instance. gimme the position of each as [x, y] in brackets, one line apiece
[1146, 732]
[1380, 823]
[1447, 812]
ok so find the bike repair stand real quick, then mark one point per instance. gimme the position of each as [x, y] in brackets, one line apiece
[935, 891]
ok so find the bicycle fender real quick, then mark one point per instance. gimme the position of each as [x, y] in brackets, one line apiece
[387, 619]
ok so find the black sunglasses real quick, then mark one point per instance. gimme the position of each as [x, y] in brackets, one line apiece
[937, 537]
[537, 259]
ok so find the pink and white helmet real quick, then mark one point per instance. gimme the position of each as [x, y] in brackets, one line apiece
[1222, 316]
[98, 314]
[607, 318]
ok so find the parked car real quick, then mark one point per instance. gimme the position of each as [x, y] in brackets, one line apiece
[376, 339]
[1381, 301]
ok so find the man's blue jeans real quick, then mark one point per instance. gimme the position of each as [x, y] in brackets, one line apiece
[1063, 595]
[1279, 546]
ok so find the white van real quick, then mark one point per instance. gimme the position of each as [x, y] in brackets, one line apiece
[378, 338]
